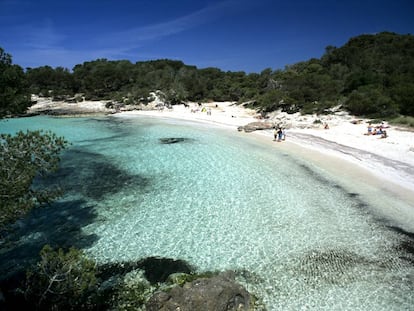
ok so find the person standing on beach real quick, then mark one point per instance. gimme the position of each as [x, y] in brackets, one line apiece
[369, 129]
[279, 134]
[275, 134]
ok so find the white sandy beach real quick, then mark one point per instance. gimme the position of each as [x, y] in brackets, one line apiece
[384, 162]
[379, 171]
[391, 158]
[378, 168]
[396, 151]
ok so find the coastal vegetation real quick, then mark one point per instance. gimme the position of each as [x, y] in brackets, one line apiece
[24, 157]
[14, 93]
[371, 75]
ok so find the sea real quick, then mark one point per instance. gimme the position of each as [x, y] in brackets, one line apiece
[296, 236]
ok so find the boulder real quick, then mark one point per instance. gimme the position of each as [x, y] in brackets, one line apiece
[60, 106]
[217, 293]
[254, 126]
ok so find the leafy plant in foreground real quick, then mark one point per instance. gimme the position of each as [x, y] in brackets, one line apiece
[23, 157]
[62, 281]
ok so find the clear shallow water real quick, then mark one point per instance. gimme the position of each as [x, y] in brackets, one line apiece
[221, 200]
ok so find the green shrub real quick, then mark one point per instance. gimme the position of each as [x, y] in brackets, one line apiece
[403, 120]
[62, 281]
[131, 296]
[25, 156]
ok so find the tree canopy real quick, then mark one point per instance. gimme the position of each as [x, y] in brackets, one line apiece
[371, 75]
[14, 94]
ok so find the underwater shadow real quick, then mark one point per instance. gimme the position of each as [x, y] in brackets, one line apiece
[93, 176]
[156, 269]
[174, 140]
[406, 244]
[59, 225]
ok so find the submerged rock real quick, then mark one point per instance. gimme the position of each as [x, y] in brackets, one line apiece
[217, 293]
[157, 269]
[173, 140]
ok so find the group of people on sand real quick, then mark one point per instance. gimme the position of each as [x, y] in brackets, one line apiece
[377, 130]
[279, 134]
[203, 109]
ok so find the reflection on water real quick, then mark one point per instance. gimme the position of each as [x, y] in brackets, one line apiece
[219, 200]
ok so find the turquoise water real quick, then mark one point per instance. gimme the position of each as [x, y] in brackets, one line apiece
[220, 200]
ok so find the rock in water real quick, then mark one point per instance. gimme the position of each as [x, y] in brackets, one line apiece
[172, 140]
[218, 293]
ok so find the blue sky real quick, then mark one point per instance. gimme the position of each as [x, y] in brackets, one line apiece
[235, 35]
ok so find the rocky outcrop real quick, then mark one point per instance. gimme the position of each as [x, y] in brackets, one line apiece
[48, 106]
[74, 106]
[254, 126]
[217, 293]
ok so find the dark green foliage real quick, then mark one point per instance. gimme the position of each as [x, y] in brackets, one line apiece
[130, 297]
[14, 96]
[403, 95]
[23, 157]
[68, 280]
[371, 101]
[49, 82]
[103, 79]
[403, 120]
[380, 73]
[62, 281]
[372, 75]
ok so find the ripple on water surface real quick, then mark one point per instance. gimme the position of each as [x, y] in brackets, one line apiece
[221, 200]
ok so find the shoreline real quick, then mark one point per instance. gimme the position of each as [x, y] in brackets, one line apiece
[388, 178]
[388, 162]
[394, 165]
[382, 168]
